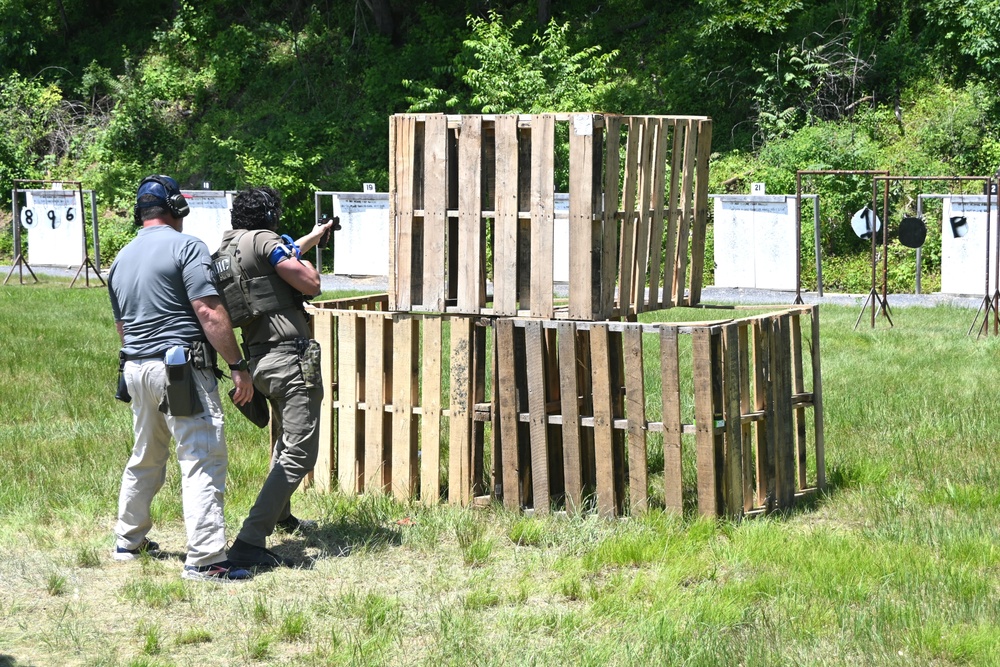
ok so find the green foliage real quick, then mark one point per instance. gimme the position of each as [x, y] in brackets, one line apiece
[27, 124]
[298, 95]
[509, 79]
[505, 74]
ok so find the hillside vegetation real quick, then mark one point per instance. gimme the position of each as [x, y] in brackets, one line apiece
[297, 94]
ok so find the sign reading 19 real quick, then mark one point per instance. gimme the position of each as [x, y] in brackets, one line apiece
[29, 217]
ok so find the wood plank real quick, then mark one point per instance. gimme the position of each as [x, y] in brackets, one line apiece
[435, 211]
[402, 249]
[609, 244]
[374, 470]
[506, 222]
[704, 412]
[537, 417]
[785, 440]
[817, 391]
[348, 469]
[798, 387]
[657, 167]
[639, 295]
[581, 217]
[460, 417]
[687, 213]
[405, 373]
[508, 409]
[616, 355]
[557, 481]
[542, 213]
[670, 392]
[700, 210]
[323, 331]
[635, 410]
[766, 429]
[673, 213]
[430, 402]
[626, 257]
[603, 420]
[470, 220]
[478, 471]
[524, 203]
[733, 451]
[569, 386]
[747, 407]
[393, 206]
[495, 441]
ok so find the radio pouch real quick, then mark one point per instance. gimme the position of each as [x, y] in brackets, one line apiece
[181, 399]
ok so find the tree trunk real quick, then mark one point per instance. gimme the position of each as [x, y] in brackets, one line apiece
[544, 12]
[382, 12]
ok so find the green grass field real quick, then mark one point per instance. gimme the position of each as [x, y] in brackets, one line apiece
[899, 564]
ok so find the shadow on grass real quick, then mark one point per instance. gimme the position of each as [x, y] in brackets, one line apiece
[838, 479]
[339, 540]
[11, 661]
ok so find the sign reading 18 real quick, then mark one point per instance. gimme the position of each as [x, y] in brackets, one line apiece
[30, 217]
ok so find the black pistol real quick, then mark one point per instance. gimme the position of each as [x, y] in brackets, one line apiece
[323, 219]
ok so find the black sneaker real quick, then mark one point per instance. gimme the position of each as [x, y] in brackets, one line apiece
[295, 525]
[223, 573]
[244, 554]
[145, 547]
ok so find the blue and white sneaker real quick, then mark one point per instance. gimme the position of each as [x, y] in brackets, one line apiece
[146, 547]
[222, 572]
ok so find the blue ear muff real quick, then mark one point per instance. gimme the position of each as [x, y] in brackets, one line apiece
[171, 199]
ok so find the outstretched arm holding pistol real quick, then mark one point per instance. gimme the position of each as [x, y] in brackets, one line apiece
[301, 274]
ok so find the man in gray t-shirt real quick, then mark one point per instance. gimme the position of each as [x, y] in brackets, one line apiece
[162, 298]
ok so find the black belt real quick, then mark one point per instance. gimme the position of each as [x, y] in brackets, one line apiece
[143, 357]
[260, 349]
[155, 355]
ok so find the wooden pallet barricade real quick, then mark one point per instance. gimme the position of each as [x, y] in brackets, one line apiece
[467, 188]
[552, 414]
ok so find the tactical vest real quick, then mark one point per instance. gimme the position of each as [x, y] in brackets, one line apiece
[248, 298]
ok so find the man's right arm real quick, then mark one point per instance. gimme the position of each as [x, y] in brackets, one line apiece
[219, 330]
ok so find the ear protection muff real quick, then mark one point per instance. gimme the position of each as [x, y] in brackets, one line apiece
[271, 214]
[171, 198]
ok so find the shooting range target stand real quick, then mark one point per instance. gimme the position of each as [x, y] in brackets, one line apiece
[58, 205]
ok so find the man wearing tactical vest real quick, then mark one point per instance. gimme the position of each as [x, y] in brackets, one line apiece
[264, 281]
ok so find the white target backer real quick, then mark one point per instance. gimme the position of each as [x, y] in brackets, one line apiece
[54, 220]
[210, 216]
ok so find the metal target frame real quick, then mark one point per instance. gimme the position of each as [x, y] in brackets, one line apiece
[990, 301]
[20, 262]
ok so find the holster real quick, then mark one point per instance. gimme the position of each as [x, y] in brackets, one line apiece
[122, 393]
[203, 355]
[181, 399]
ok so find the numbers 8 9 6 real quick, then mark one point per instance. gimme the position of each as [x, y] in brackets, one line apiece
[30, 217]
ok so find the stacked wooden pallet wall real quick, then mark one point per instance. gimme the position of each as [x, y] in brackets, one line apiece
[472, 201]
[552, 414]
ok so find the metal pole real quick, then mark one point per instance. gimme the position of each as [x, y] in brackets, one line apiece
[885, 248]
[94, 226]
[917, 269]
[319, 251]
[798, 237]
[817, 252]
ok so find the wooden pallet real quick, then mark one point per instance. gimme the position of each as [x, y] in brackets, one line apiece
[472, 202]
[551, 414]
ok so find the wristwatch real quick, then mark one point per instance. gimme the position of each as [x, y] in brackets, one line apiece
[240, 365]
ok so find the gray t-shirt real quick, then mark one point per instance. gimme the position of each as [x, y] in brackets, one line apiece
[152, 283]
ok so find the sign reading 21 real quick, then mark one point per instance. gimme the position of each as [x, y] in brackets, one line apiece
[30, 217]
